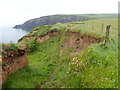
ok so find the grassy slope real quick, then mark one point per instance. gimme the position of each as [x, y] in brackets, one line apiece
[41, 63]
[94, 67]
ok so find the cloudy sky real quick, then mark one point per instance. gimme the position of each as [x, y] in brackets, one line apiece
[18, 11]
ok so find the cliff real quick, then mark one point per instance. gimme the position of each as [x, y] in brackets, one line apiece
[50, 20]
[11, 62]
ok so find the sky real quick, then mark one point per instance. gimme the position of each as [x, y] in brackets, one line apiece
[15, 12]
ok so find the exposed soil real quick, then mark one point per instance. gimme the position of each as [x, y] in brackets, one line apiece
[23, 42]
[11, 62]
[24, 45]
[40, 39]
[46, 37]
[78, 42]
[28, 37]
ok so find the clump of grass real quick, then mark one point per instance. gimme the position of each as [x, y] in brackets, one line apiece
[32, 45]
[10, 46]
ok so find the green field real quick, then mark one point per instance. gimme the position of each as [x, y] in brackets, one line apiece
[95, 67]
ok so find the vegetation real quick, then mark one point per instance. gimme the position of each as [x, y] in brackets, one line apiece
[10, 46]
[95, 67]
[41, 64]
[0, 59]
[32, 45]
[101, 16]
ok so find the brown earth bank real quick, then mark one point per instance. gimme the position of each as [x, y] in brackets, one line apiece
[75, 39]
[39, 39]
[11, 62]
[49, 33]
[46, 36]
[77, 42]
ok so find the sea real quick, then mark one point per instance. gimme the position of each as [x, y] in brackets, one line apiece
[10, 34]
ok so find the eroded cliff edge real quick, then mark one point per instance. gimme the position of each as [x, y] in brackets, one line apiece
[12, 61]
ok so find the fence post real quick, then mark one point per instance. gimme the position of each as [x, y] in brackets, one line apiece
[107, 35]
[102, 27]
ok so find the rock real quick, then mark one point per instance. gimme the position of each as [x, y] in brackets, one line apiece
[17, 26]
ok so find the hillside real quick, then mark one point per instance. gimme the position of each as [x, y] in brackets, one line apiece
[53, 19]
[69, 55]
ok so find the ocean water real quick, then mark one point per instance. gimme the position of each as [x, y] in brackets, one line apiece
[8, 34]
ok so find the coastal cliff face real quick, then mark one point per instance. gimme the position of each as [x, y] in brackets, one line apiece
[18, 26]
[50, 20]
[53, 19]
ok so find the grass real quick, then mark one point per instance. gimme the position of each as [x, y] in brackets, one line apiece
[94, 27]
[32, 45]
[41, 63]
[10, 46]
[91, 27]
[98, 70]
[95, 67]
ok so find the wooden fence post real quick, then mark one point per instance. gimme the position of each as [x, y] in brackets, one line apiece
[102, 27]
[107, 35]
